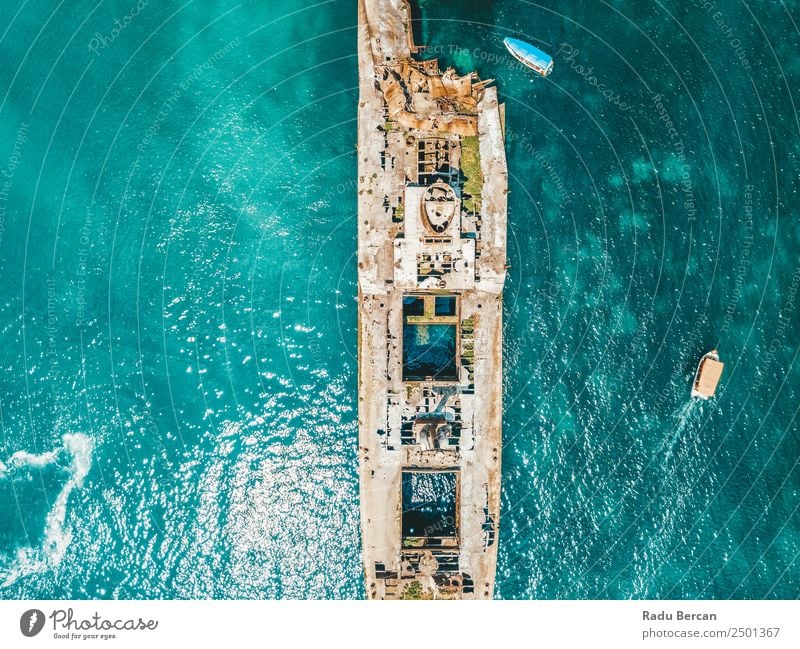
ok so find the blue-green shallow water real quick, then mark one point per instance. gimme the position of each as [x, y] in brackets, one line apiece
[177, 245]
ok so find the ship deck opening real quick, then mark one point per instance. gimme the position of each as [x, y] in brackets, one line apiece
[430, 337]
[429, 504]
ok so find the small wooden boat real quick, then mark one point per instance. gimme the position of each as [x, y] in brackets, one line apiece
[707, 376]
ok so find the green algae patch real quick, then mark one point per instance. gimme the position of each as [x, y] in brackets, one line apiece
[471, 172]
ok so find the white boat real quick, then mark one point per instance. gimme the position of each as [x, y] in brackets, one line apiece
[707, 376]
[529, 56]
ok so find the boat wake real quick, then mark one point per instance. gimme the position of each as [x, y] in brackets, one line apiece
[27, 559]
[682, 420]
[678, 496]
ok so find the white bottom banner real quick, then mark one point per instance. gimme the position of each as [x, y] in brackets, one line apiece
[408, 625]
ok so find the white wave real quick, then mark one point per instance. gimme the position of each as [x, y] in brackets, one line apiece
[56, 539]
[23, 458]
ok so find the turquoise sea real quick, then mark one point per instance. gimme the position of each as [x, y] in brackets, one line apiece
[177, 253]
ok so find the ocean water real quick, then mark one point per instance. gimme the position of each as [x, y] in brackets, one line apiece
[177, 248]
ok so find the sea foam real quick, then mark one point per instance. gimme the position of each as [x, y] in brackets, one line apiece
[78, 448]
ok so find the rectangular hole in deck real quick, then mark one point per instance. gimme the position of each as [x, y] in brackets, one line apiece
[429, 505]
[430, 338]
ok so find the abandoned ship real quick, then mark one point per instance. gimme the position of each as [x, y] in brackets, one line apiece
[432, 192]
